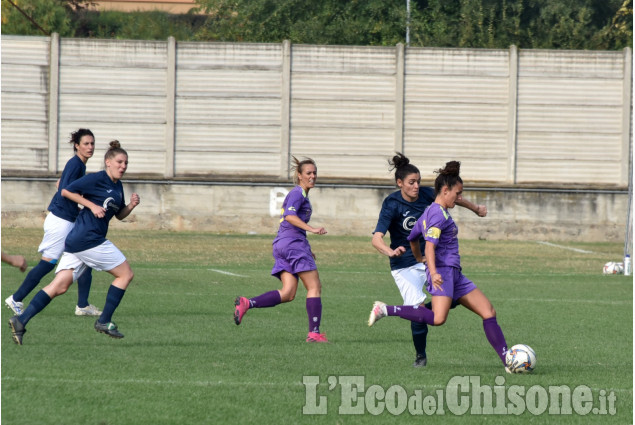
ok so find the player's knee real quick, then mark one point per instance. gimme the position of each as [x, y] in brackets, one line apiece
[130, 276]
[489, 313]
[287, 296]
[439, 321]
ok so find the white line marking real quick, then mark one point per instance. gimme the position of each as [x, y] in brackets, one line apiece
[582, 251]
[227, 273]
[226, 383]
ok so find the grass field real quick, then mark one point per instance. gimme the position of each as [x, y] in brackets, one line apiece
[184, 361]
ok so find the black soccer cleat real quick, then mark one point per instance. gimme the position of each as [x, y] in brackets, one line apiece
[420, 361]
[109, 329]
[17, 330]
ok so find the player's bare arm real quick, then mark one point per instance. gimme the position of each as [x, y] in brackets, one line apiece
[125, 212]
[380, 245]
[480, 210]
[297, 222]
[97, 210]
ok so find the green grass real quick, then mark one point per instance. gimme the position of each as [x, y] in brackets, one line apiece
[183, 361]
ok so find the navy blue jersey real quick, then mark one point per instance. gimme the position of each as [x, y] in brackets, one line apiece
[63, 207]
[398, 217]
[90, 231]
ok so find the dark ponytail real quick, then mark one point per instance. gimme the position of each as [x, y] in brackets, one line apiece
[447, 176]
[402, 166]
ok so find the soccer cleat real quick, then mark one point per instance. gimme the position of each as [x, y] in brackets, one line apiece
[242, 305]
[16, 306]
[377, 312]
[17, 329]
[316, 337]
[89, 310]
[420, 361]
[109, 329]
[507, 370]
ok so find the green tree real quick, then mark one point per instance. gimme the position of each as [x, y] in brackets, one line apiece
[50, 16]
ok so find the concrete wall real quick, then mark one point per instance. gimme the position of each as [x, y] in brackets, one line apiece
[223, 111]
[546, 215]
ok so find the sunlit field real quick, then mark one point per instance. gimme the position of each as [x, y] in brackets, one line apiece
[184, 361]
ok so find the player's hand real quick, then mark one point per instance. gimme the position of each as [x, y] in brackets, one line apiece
[319, 231]
[437, 281]
[18, 261]
[481, 210]
[397, 252]
[98, 211]
[134, 200]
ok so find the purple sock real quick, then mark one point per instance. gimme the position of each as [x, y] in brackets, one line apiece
[495, 337]
[268, 299]
[314, 311]
[413, 313]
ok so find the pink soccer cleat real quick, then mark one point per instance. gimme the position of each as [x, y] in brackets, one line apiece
[316, 337]
[242, 305]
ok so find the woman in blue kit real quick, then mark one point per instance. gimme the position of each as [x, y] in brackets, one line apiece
[293, 255]
[86, 246]
[58, 223]
[399, 213]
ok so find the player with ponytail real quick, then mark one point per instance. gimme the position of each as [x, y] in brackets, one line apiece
[293, 256]
[399, 213]
[86, 245]
[58, 223]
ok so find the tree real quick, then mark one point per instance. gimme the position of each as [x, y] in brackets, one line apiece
[50, 16]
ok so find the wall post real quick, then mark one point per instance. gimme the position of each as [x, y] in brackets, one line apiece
[170, 109]
[53, 110]
[512, 115]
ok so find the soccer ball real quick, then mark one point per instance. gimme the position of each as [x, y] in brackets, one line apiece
[520, 358]
[613, 268]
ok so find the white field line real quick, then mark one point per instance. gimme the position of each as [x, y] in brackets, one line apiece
[582, 251]
[227, 273]
[221, 383]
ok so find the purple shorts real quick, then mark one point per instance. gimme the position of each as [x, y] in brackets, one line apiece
[294, 257]
[455, 285]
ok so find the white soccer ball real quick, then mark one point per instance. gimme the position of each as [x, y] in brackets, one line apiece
[520, 358]
[613, 268]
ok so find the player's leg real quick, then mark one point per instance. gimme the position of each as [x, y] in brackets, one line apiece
[268, 299]
[60, 284]
[51, 247]
[477, 302]
[83, 307]
[441, 302]
[311, 281]
[123, 276]
[410, 281]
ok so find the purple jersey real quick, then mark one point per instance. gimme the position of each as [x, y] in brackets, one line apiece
[437, 227]
[296, 203]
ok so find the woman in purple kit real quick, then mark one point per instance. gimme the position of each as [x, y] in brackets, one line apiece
[293, 256]
[445, 280]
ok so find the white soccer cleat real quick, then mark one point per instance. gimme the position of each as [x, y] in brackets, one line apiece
[378, 311]
[89, 310]
[16, 306]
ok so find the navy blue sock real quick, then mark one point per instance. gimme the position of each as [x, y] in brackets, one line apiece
[113, 298]
[37, 304]
[32, 279]
[419, 337]
[83, 287]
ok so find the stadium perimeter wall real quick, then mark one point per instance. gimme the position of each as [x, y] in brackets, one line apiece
[218, 111]
[540, 215]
